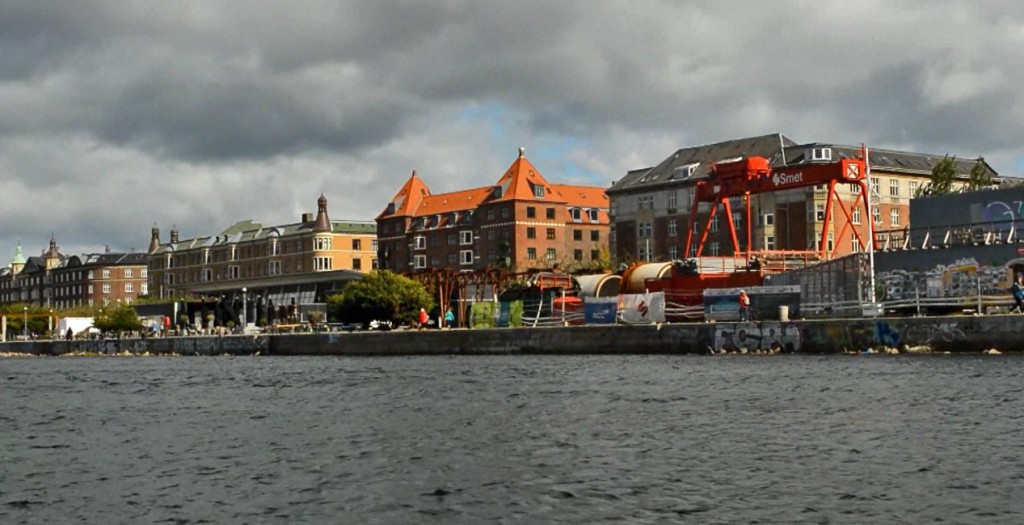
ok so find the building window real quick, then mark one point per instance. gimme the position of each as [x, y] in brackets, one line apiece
[575, 214]
[855, 216]
[538, 191]
[531, 212]
[550, 255]
[855, 188]
[322, 243]
[466, 257]
[830, 243]
[129, 288]
[531, 233]
[453, 258]
[672, 226]
[769, 242]
[490, 214]
[737, 219]
[595, 235]
[714, 223]
[854, 245]
[577, 235]
[768, 218]
[713, 249]
[106, 288]
[894, 217]
[595, 255]
[420, 242]
[894, 187]
[144, 289]
[592, 215]
[643, 229]
[274, 267]
[551, 234]
[819, 212]
[128, 273]
[504, 212]
[874, 185]
[106, 274]
[876, 215]
[357, 244]
[550, 213]
[435, 260]
[913, 188]
[322, 264]
[531, 253]
[207, 275]
[466, 237]
[577, 255]
[673, 252]
[673, 200]
[357, 264]
[420, 261]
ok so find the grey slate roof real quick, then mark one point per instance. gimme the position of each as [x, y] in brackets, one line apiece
[780, 151]
[248, 230]
[768, 146]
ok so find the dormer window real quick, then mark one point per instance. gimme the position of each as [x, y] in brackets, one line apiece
[538, 191]
[821, 153]
[685, 171]
[592, 215]
[575, 213]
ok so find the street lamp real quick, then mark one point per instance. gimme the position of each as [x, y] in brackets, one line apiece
[24, 321]
[244, 306]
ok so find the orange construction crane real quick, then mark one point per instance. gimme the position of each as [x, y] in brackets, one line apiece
[747, 176]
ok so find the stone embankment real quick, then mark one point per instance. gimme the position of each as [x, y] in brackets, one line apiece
[970, 334]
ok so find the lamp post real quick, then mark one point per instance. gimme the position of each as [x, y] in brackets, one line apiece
[24, 321]
[244, 306]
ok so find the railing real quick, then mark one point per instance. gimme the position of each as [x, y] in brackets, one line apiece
[973, 234]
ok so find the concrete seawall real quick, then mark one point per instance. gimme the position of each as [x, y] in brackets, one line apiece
[939, 334]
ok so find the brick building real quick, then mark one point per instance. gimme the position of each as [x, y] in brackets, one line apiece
[521, 222]
[650, 207]
[302, 261]
[57, 281]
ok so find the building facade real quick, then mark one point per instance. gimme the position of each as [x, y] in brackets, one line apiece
[521, 222]
[54, 280]
[300, 262]
[650, 207]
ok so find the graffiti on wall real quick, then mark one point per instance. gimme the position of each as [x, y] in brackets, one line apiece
[763, 335]
[918, 333]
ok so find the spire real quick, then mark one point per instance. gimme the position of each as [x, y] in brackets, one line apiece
[19, 259]
[323, 222]
[408, 199]
[53, 256]
[154, 239]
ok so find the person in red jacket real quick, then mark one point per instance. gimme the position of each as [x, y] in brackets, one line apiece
[744, 305]
[423, 318]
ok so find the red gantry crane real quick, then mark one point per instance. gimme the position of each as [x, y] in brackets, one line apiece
[752, 175]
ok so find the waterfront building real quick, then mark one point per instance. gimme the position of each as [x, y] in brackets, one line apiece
[650, 207]
[55, 280]
[298, 263]
[521, 222]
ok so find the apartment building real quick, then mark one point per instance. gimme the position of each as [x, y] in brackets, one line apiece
[520, 222]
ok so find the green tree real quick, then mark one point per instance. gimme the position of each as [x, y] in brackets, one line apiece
[943, 177]
[117, 319]
[380, 295]
[980, 177]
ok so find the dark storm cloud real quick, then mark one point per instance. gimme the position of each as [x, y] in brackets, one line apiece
[199, 114]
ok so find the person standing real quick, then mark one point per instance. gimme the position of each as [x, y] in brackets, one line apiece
[449, 318]
[423, 318]
[744, 301]
[1018, 294]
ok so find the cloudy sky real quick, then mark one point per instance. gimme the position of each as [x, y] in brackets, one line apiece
[118, 116]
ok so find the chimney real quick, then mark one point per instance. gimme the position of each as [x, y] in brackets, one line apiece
[307, 217]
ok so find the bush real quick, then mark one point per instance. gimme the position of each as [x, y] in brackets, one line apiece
[380, 295]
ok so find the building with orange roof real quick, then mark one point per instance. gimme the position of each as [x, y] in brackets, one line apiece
[521, 222]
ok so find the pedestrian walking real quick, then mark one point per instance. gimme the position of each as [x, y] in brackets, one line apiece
[1018, 294]
[744, 301]
[423, 318]
[449, 318]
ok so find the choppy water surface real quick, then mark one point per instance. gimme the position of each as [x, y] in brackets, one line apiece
[572, 439]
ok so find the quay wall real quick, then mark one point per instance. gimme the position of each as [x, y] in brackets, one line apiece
[938, 334]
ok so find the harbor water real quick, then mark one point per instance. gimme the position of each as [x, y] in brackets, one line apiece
[512, 439]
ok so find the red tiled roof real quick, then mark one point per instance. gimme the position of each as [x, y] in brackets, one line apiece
[408, 198]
